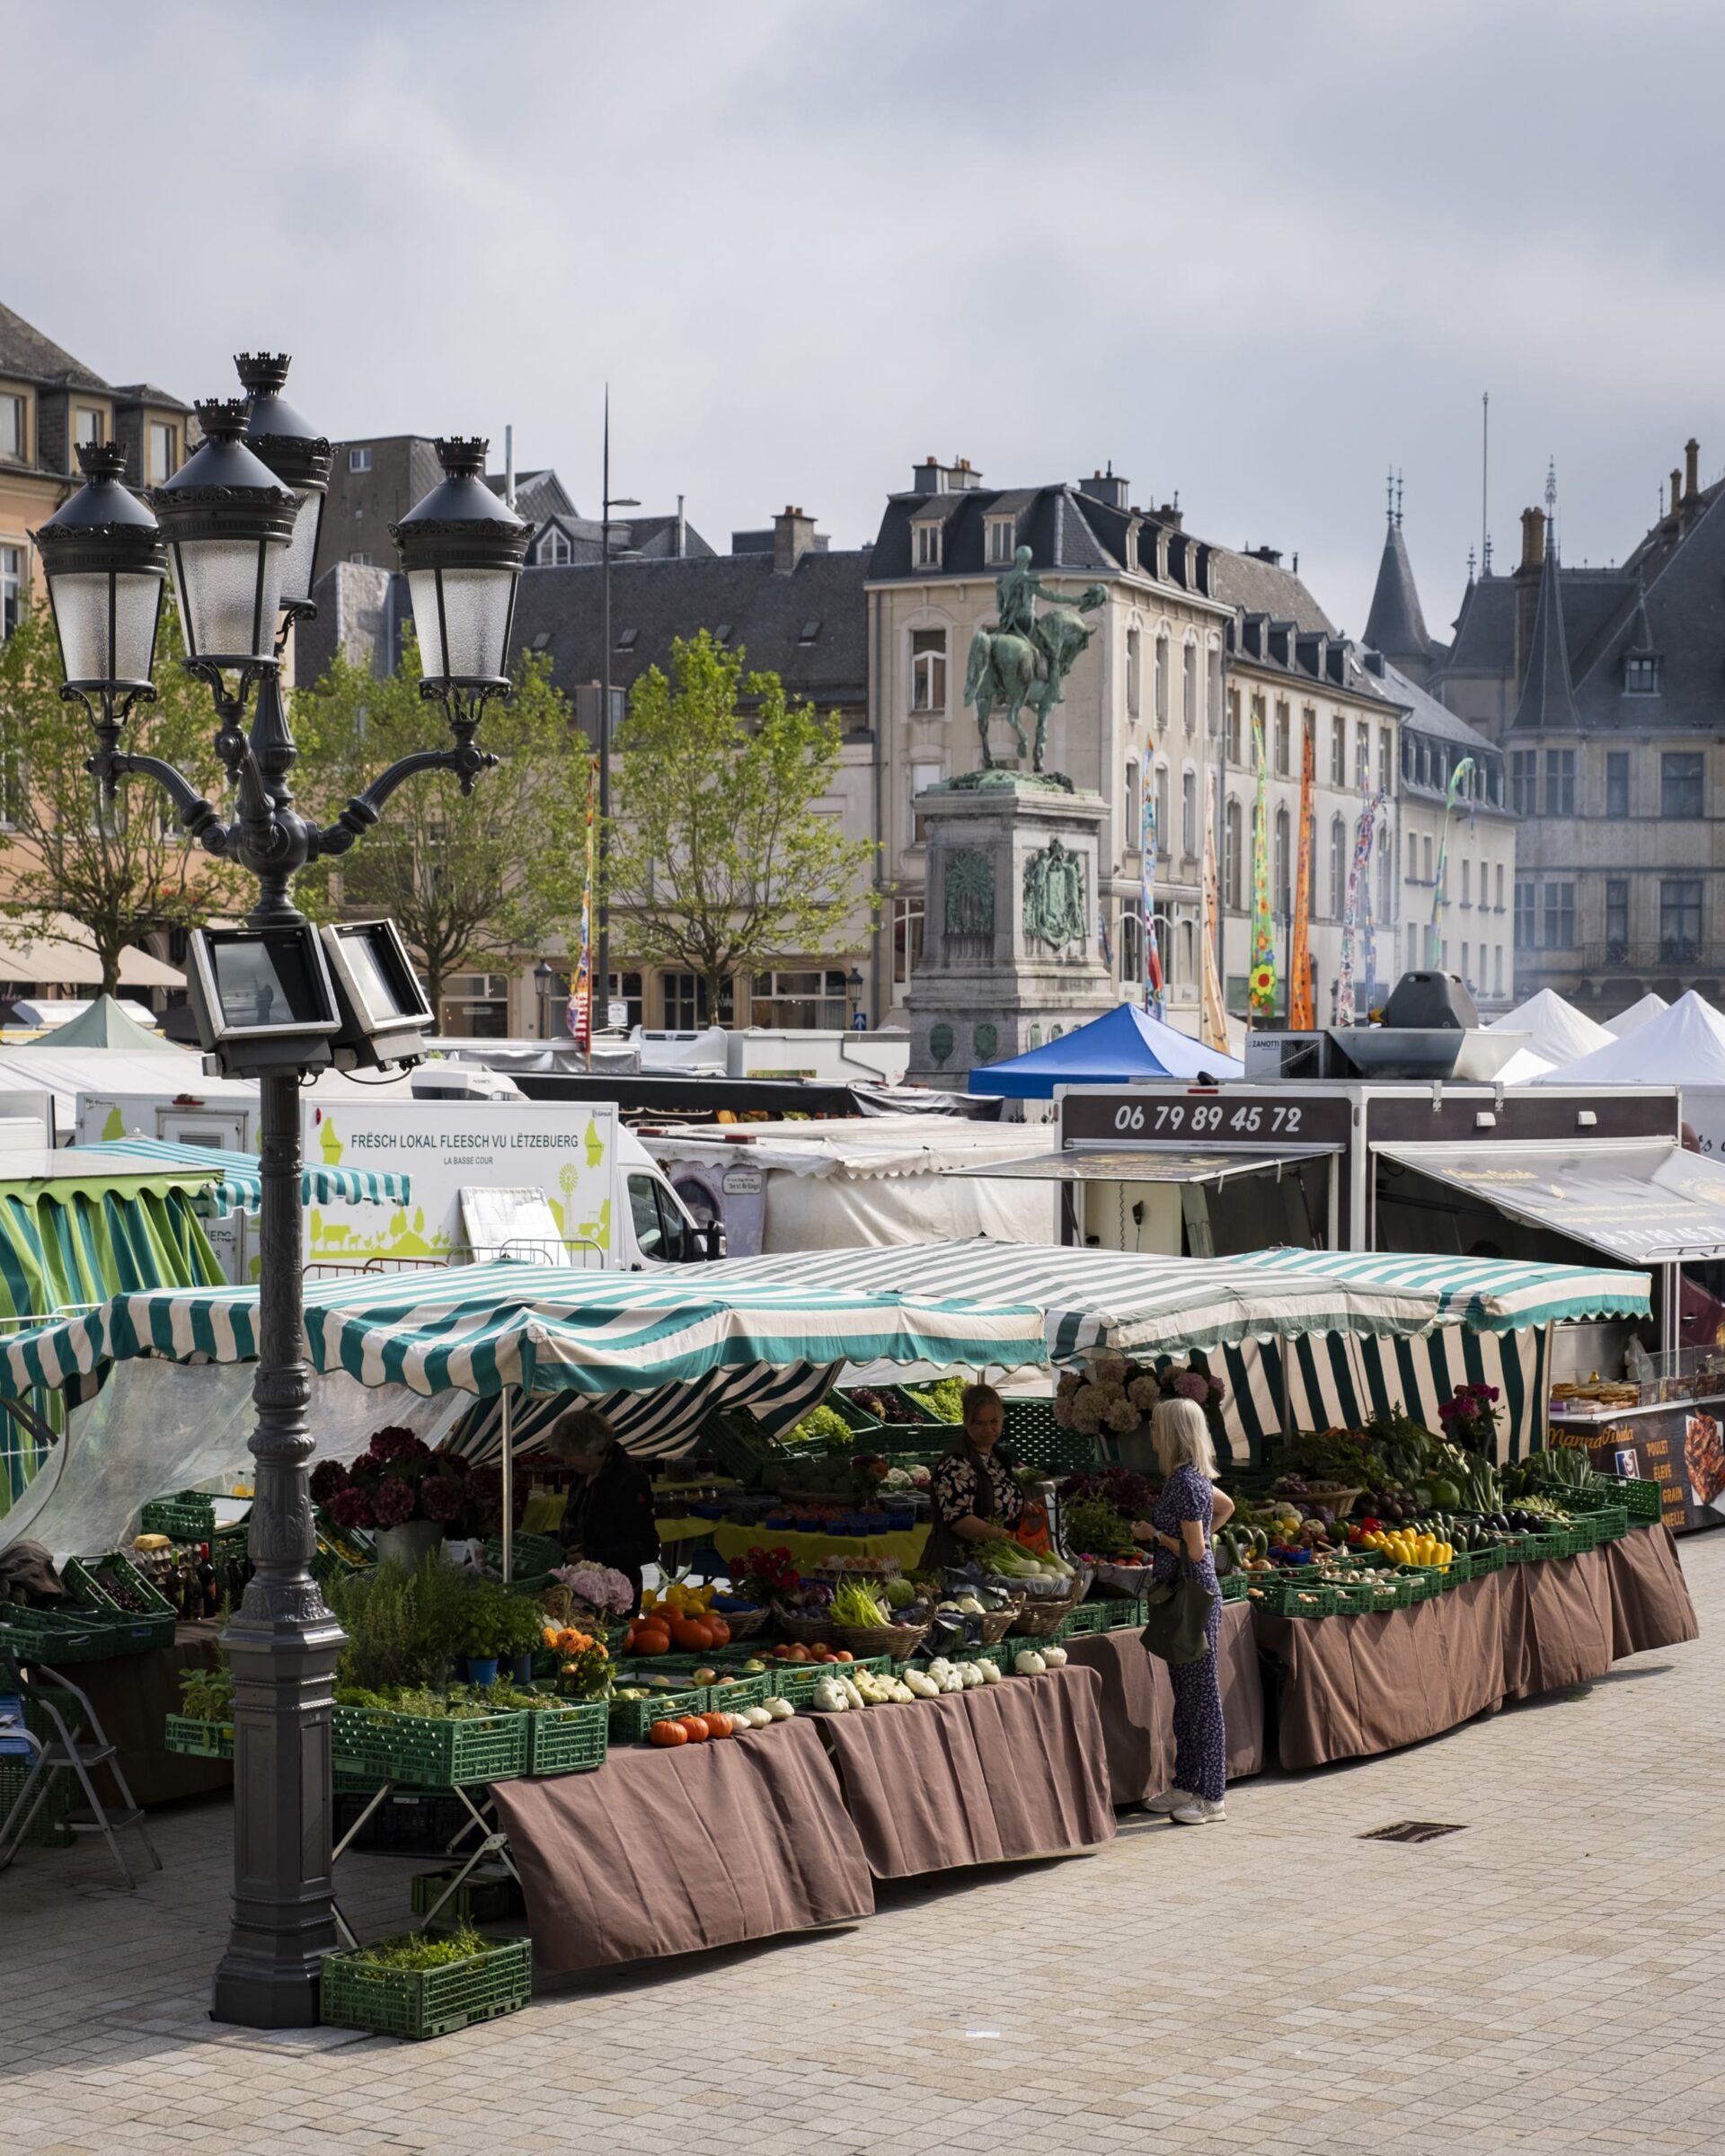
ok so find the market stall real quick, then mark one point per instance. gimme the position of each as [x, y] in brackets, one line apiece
[1136, 1704]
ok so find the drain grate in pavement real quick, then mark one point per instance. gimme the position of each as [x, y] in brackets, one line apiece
[1412, 1829]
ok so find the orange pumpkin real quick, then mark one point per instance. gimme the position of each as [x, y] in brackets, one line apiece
[718, 1725]
[696, 1727]
[668, 1734]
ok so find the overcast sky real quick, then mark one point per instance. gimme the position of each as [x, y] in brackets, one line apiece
[1252, 252]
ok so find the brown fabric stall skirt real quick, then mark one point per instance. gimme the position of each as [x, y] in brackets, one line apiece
[1138, 1705]
[1352, 1686]
[665, 1852]
[1017, 1768]
[133, 1695]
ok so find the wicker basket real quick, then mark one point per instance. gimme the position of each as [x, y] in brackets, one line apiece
[1340, 1500]
[899, 1640]
[744, 1623]
[1041, 1616]
[998, 1623]
[808, 1632]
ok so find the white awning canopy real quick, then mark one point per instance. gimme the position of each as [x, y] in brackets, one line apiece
[1152, 1164]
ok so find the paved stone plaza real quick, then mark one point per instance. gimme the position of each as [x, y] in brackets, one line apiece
[1550, 1978]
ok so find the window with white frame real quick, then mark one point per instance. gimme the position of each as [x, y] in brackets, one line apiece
[1002, 536]
[1497, 970]
[1337, 752]
[1189, 813]
[11, 589]
[11, 427]
[1232, 865]
[1134, 671]
[1230, 730]
[1131, 941]
[906, 939]
[1338, 867]
[87, 427]
[1189, 688]
[1213, 695]
[928, 669]
[1426, 876]
[1385, 890]
[553, 549]
[163, 452]
[1162, 682]
[1386, 759]
[928, 546]
[1284, 740]
[1362, 757]
[1467, 881]
[360, 558]
[1165, 833]
[1134, 818]
[359, 460]
[1500, 886]
[1281, 863]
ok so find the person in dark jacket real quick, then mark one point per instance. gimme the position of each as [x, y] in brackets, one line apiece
[609, 1516]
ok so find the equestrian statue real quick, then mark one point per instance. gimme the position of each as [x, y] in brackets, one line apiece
[1029, 656]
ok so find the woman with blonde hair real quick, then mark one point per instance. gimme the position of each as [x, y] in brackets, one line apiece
[1180, 1526]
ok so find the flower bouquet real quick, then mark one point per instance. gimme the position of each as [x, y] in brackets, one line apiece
[399, 1490]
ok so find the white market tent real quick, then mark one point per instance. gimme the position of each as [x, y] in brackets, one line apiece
[1683, 1046]
[1638, 1014]
[1555, 1029]
[1523, 1067]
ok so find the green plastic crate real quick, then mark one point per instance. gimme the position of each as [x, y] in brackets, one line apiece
[432, 1752]
[531, 1556]
[1035, 1439]
[1640, 1500]
[46, 1831]
[858, 1418]
[1235, 1586]
[1365, 1597]
[194, 1739]
[1492, 1557]
[629, 1720]
[55, 1635]
[1425, 1583]
[1317, 1600]
[568, 1737]
[132, 1634]
[483, 1898]
[416, 2003]
[1459, 1570]
[796, 1681]
[188, 1517]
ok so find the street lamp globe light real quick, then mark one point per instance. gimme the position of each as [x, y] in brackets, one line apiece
[296, 454]
[229, 523]
[105, 566]
[462, 549]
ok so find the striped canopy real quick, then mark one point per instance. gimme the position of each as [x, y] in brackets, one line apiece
[1135, 1304]
[544, 1329]
[237, 1184]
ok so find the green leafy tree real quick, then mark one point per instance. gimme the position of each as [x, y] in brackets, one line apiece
[124, 869]
[717, 851]
[464, 878]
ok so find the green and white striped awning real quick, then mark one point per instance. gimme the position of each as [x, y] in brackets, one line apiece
[236, 1179]
[544, 1328]
[1129, 1303]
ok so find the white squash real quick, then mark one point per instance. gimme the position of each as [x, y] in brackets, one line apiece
[1027, 1662]
[829, 1699]
[1054, 1658]
[778, 1710]
[990, 1671]
[757, 1717]
[921, 1686]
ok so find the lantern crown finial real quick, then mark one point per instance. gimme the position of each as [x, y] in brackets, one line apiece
[223, 418]
[101, 460]
[262, 374]
[463, 456]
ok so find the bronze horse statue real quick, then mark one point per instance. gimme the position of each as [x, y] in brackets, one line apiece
[1016, 666]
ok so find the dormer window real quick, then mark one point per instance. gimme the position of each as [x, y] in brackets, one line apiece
[808, 631]
[721, 634]
[553, 549]
[1641, 674]
[1001, 534]
[928, 546]
[626, 638]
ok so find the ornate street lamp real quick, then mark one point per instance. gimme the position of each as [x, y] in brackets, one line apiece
[230, 524]
[298, 458]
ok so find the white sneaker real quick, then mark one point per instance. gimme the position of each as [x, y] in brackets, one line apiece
[1170, 1800]
[1198, 1811]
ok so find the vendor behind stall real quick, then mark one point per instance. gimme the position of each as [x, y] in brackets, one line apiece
[609, 1516]
[975, 1493]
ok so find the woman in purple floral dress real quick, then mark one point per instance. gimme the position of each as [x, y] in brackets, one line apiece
[1180, 1526]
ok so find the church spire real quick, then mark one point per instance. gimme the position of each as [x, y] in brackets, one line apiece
[1547, 698]
[1396, 625]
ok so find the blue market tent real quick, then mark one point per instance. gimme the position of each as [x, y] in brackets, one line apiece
[1123, 1043]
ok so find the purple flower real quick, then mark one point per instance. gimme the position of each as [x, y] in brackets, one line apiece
[441, 1497]
[393, 1502]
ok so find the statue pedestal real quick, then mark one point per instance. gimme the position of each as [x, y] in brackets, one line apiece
[1010, 957]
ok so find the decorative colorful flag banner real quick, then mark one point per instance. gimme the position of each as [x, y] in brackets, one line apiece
[1263, 927]
[1458, 779]
[1148, 843]
[1212, 1022]
[1299, 964]
[580, 995]
[1359, 894]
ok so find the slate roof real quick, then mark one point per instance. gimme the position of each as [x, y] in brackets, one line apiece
[24, 350]
[1062, 530]
[1547, 698]
[1259, 587]
[1396, 626]
[654, 537]
[1423, 714]
[146, 393]
[659, 600]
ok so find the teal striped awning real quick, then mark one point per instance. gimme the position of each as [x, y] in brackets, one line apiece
[1127, 1304]
[544, 1329]
[237, 1184]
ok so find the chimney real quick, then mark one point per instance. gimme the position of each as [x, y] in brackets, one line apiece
[793, 536]
[1107, 487]
[1691, 473]
[1526, 583]
[1676, 489]
[508, 466]
[1532, 542]
[682, 530]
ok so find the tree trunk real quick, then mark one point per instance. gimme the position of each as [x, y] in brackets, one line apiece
[713, 979]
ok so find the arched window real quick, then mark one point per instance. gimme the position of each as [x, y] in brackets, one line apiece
[1189, 813]
[1189, 688]
[1231, 856]
[1134, 668]
[1385, 893]
[1166, 946]
[1281, 867]
[1425, 856]
[1338, 867]
[1187, 971]
[1131, 945]
[1162, 681]
[1164, 828]
[1134, 832]
[1213, 697]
